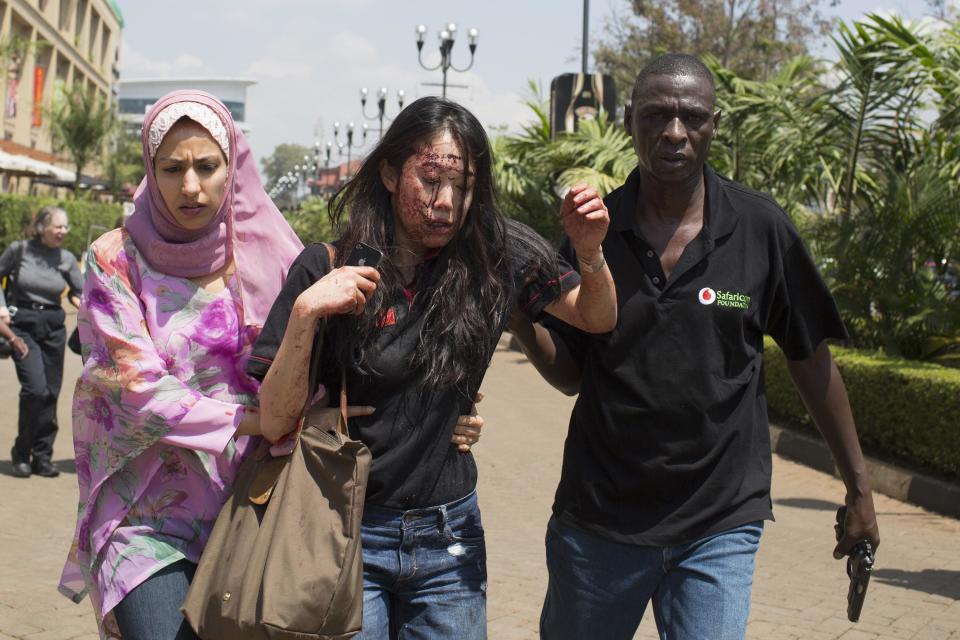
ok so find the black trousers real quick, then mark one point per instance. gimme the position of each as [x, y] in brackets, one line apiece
[40, 374]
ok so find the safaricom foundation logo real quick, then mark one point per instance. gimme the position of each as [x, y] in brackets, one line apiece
[723, 298]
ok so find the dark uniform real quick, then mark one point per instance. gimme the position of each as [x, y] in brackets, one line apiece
[43, 274]
[669, 440]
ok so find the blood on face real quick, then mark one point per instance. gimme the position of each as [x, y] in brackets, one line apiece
[431, 195]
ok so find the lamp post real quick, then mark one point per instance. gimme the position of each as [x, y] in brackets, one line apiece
[298, 183]
[317, 153]
[309, 171]
[381, 105]
[447, 36]
[285, 184]
[349, 145]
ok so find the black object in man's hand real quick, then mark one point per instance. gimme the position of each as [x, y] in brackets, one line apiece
[859, 568]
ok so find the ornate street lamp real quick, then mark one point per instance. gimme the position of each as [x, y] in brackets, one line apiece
[349, 144]
[447, 37]
[317, 153]
[381, 105]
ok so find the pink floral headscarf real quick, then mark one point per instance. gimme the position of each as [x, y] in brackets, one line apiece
[248, 228]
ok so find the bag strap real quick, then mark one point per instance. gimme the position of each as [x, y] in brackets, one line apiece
[14, 276]
[342, 420]
[314, 375]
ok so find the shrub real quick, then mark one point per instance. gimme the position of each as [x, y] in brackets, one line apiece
[311, 222]
[906, 411]
[17, 211]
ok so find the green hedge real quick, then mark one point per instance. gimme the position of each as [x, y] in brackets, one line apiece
[906, 411]
[310, 222]
[17, 211]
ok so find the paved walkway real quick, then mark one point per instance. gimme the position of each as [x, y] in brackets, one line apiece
[800, 591]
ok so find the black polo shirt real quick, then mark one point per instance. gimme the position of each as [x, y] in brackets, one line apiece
[414, 463]
[669, 440]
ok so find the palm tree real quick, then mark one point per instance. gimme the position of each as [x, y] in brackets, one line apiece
[80, 122]
[532, 169]
[122, 159]
[863, 154]
[772, 133]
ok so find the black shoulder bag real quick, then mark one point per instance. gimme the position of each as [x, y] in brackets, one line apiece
[6, 349]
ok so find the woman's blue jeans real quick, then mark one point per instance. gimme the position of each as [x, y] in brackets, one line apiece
[152, 610]
[424, 573]
[599, 588]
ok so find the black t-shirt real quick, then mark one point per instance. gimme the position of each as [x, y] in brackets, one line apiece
[414, 463]
[669, 440]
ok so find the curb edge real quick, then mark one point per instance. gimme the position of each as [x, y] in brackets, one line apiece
[889, 479]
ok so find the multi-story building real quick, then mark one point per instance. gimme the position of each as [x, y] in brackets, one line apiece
[136, 96]
[46, 45]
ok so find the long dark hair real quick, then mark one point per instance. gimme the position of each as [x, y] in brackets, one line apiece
[469, 289]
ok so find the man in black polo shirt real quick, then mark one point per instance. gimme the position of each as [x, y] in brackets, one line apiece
[666, 472]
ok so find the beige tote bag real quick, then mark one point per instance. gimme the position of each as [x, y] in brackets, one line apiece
[284, 560]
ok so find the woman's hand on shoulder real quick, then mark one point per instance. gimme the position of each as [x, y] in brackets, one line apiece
[343, 290]
[467, 432]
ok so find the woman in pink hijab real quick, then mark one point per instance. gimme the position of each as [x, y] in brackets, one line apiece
[163, 409]
[172, 304]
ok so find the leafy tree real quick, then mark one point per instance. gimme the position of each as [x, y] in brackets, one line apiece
[863, 153]
[80, 122]
[283, 159]
[531, 170]
[850, 152]
[524, 183]
[898, 209]
[123, 159]
[750, 37]
[14, 50]
[942, 9]
[771, 134]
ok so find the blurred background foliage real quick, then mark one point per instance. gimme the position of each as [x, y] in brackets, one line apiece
[863, 153]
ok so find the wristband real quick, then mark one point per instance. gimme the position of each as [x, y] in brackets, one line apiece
[592, 267]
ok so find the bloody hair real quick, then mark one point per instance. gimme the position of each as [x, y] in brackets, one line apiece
[469, 289]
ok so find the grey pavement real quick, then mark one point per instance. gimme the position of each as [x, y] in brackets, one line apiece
[799, 593]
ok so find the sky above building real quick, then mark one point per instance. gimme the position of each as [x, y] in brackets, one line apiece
[311, 57]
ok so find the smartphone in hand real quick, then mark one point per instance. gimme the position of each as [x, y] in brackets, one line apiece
[859, 568]
[363, 255]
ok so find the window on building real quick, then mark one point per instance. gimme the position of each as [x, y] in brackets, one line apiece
[41, 82]
[139, 106]
[64, 19]
[94, 30]
[81, 15]
[135, 106]
[104, 43]
[21, 29]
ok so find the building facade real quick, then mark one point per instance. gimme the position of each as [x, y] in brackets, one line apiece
[46, 45]
[135, 97]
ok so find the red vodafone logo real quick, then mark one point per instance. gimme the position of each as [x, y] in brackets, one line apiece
[707, 296]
